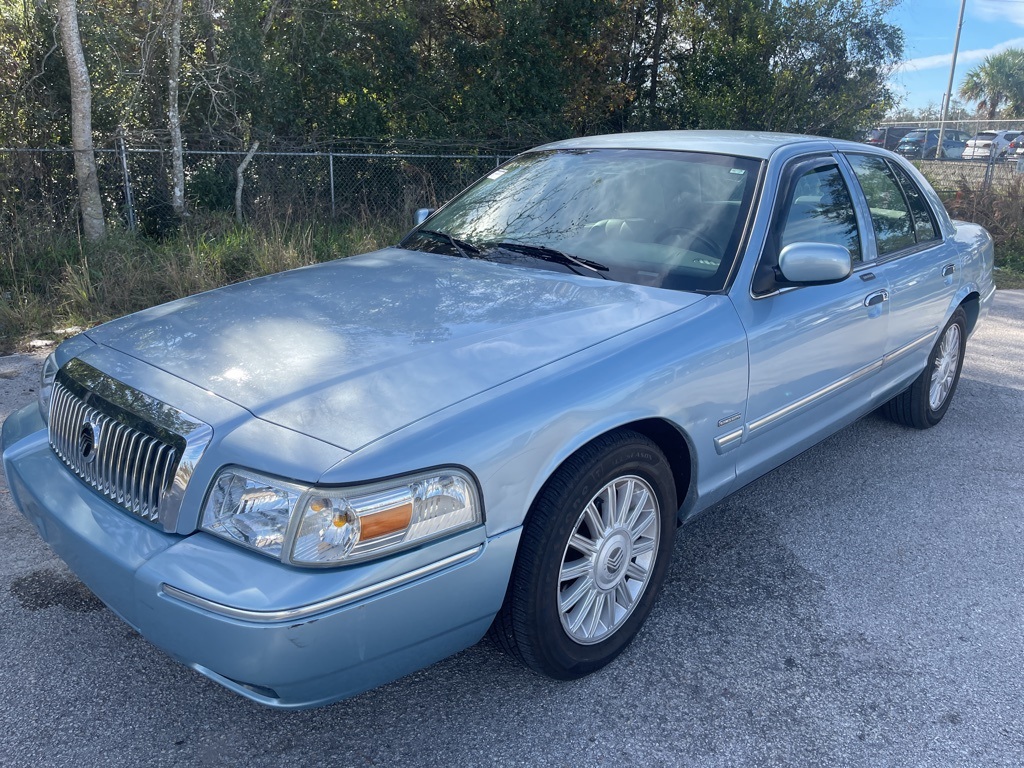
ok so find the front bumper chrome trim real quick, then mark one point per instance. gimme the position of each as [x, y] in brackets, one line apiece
[322, 606]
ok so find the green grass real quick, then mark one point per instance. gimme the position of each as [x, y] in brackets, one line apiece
[1009, 279]
[48, 283]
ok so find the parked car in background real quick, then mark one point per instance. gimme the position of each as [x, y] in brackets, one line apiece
[309, 484]
[886, 137]
[921, 144]
[1016, 145]
[989, 144]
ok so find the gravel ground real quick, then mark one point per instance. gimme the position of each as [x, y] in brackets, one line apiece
[862, 605]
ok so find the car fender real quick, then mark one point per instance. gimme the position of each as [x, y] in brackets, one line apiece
[688, 370]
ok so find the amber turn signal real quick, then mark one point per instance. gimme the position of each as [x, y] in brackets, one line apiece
[387, 521]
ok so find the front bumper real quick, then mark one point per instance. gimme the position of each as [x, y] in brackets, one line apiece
[282, 636]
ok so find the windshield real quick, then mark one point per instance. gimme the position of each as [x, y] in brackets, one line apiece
[659, 218]
[915, 136]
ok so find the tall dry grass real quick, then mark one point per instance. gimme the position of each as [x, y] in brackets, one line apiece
[49, 283]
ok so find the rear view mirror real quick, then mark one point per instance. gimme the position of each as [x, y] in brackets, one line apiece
[422, 214]
[815, 263]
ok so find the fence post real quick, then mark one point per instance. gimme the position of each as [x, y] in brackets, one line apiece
[123, 152]
[330, 156]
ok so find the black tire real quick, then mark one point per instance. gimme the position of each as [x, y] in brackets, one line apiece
[913, 407]
[530, 625]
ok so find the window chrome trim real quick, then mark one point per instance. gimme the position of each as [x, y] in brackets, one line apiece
[321, 606]
[803, 402]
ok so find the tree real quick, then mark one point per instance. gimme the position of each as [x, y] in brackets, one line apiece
[90, 203]
[173, 115]
[998, 80]
[812, 66]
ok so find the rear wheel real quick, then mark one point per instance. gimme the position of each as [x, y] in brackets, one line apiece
[594, 552]
[925, 402]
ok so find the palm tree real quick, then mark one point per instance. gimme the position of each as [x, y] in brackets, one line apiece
[998, 80]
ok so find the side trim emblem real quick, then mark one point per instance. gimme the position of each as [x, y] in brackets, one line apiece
[728, 420]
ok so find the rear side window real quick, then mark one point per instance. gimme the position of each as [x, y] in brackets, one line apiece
[890, 213]
[924, 222]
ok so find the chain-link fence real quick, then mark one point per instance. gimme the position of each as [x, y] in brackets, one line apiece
[38, 192]
[950, 176]
[37, 186]
[971, 125]
[977, 154]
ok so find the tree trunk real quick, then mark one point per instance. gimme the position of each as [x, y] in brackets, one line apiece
[656, 47]
[206, 16]
[89, 201]
[240, 180]
[173, 116]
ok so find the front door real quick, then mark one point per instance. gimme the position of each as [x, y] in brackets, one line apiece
[814, 350]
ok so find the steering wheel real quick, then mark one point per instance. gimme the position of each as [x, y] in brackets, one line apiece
[693, 237]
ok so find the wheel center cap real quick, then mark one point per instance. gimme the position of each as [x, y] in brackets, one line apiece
[612, 559]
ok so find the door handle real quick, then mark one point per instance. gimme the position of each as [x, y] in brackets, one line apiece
[948, 270]
[876, 298]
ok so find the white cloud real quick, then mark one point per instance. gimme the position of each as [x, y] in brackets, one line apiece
[965, 57]
[1000, 10]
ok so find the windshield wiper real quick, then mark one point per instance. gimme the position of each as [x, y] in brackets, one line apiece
[551, 254]
[463, 247]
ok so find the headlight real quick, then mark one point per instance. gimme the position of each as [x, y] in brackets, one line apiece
[46, 379]
[251, 510]
[335, 526]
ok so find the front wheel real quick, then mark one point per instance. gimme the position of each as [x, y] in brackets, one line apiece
[925, 402]
[594, 552]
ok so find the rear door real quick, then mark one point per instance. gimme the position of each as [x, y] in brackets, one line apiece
[921, 270]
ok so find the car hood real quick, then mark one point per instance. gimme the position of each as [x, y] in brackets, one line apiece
[353, 349]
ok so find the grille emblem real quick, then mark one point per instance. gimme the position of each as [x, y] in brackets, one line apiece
[88, 441]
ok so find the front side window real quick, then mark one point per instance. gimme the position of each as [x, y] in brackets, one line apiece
[660, 218]
[890, 215]
[816, 207]
[820, 210]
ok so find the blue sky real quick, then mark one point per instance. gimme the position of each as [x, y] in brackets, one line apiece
[929, 27]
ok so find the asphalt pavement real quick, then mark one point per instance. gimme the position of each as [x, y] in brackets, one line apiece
[861, 605]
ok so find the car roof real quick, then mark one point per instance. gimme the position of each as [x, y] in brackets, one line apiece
[754, 144]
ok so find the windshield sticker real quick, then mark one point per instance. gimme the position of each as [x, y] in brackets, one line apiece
[498, 173]
[739, 171]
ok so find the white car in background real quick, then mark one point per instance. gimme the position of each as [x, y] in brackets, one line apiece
[988, 144]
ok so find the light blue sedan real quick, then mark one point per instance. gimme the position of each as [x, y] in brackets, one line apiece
[310, 484]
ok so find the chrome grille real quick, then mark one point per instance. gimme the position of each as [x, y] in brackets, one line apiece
[133, 469]
[136, 450]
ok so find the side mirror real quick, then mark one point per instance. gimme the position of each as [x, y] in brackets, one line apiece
[815, 263]
[422, 214]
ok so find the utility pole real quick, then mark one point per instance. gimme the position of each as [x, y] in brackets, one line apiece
[949, 89]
